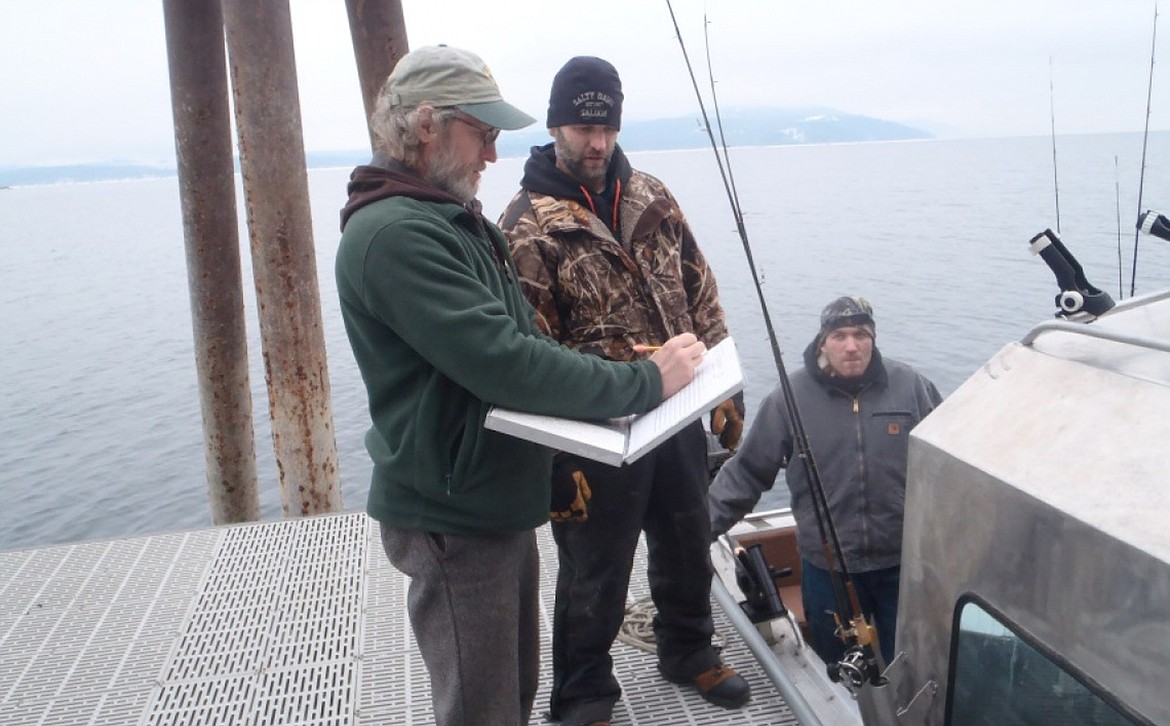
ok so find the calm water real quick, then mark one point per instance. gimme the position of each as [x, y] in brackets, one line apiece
[101, 436]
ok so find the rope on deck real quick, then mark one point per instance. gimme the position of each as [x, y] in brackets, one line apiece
[637, 628]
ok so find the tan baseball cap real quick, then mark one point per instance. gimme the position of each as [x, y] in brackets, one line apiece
[445, 76]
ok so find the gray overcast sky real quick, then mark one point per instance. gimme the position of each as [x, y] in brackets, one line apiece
[87, 81]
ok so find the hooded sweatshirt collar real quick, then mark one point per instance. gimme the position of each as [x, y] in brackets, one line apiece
[370, 183]
[542, 176]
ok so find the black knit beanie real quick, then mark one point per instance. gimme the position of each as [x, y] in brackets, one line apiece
[586, 90]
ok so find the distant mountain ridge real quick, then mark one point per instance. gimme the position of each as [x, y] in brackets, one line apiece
[741, 127]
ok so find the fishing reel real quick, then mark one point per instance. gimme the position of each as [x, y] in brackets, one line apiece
[1078, 299]
[860, 664]
[854, 670]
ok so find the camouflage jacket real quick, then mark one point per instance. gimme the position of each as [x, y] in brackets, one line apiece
[601, 295]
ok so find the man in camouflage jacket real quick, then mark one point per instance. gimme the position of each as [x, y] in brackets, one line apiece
[609, 263]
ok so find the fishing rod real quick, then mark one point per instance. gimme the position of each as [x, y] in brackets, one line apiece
[1145, 140]
[1117, 191]
[734, 198]
[861, 662]
[1052, 116]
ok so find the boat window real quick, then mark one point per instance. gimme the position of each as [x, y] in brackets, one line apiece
[998, 677]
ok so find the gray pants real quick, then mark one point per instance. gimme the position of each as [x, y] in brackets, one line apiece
[474, 605]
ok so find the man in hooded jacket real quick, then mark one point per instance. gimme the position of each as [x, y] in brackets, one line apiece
[608, 261]
[857, 409]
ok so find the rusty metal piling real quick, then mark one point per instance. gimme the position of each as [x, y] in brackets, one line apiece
[272, 161]
[203, 147]
[378, 31]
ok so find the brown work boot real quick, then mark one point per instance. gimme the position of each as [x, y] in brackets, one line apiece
[719, 684]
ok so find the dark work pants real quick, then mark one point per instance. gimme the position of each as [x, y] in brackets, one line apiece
[474, 605]
[665, 494]
[877, 591]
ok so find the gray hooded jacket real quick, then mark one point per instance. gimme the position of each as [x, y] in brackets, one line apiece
[859, 443]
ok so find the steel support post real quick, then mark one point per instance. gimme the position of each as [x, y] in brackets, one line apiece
[276, 191]
[378, 30]
[203, 146]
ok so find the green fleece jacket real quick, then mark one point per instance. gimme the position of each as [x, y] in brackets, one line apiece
[441, 331]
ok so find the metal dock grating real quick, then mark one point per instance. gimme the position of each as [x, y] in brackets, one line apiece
[299, 621]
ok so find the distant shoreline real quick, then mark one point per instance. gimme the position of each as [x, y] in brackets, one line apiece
[744, 127]
[634, 140]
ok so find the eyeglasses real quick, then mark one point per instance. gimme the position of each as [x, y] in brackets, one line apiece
[488, 136]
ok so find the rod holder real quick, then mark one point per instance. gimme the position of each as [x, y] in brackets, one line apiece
[1154, 223]
[1078, 299]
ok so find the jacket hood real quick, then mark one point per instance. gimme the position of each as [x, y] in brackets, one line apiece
[368, 184]
[542, 176]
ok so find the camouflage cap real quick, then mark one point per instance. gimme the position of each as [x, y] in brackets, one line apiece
[445, 76]
[847, 311]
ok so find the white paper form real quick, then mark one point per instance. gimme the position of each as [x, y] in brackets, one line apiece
[626, 440]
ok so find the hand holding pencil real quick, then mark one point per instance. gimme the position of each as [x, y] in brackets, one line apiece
[676, 359]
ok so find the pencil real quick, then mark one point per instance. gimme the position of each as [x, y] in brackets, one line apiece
[650, 347]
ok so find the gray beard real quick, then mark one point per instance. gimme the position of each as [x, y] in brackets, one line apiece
[448, 173]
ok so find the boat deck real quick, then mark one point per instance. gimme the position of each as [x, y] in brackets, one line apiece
[299, 621]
